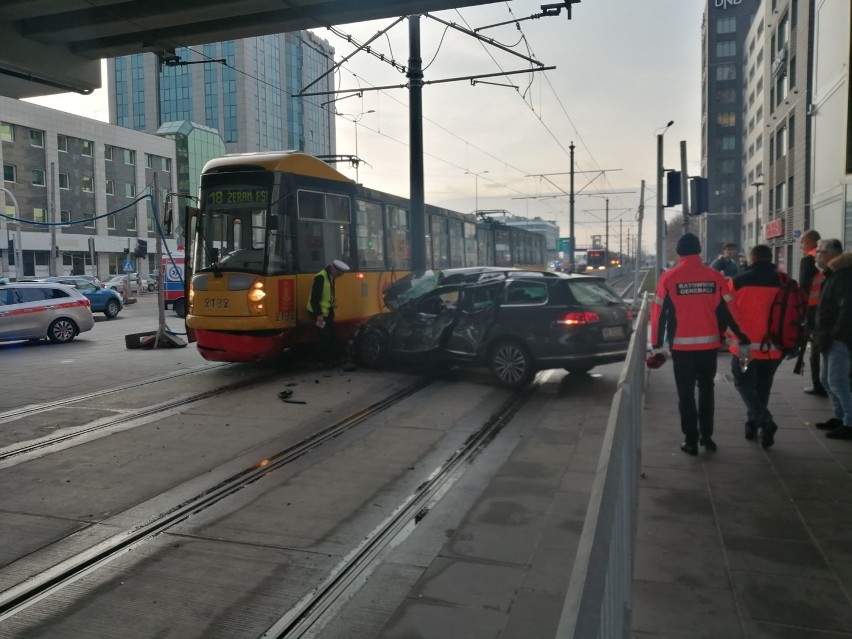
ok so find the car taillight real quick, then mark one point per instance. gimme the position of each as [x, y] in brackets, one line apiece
[630, 314]
[580, 317]
[86, 301]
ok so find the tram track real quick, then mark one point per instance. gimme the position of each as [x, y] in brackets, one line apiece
[38, 587]
[324, 597]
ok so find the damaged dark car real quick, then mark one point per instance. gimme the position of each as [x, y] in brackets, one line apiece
[514, 322]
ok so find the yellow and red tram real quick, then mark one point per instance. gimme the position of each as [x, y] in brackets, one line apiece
[268, 222]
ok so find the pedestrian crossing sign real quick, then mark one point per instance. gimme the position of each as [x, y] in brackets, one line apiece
[128, 266]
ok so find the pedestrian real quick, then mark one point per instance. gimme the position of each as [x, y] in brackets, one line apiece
[834, 332]
[753, 369]
[726, 263]
[321, 306]
[810, 279]
[689, 314]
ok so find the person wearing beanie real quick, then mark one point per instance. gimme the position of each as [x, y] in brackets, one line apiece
[726, 263]
[689, 315]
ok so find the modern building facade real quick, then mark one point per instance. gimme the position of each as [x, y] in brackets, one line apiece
[831, 121]
[77, 183]
[723, 35]
[244, 89]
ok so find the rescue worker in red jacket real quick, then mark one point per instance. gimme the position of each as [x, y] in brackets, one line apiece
[690, 314]
[811, 279]
[753, 372]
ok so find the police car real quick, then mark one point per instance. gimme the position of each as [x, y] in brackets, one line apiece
[39, 310]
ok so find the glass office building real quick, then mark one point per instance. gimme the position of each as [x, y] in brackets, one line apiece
[244, 89]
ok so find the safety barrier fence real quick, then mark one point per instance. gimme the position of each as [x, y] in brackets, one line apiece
[598, 603]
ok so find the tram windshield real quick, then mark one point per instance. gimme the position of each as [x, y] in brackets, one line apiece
[237, 232]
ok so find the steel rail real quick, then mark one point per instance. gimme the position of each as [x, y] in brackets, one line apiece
[21, 596]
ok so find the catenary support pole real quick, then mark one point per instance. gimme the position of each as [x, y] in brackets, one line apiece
[684, 186]
[639, 219]
[415, 128]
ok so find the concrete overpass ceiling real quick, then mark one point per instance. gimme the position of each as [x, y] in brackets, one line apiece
[53, 46]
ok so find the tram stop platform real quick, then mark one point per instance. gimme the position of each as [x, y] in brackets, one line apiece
[745, 542]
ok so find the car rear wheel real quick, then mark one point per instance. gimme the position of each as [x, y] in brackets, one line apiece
[180, 308]
[372, 349]
[112, 309]
[511, 364]
[578, 370]
[61, 330]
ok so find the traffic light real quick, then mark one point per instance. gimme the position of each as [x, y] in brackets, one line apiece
[673, 195]
[141, 248]
[698, 194]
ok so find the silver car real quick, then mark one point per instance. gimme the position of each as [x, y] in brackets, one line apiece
[38, 310]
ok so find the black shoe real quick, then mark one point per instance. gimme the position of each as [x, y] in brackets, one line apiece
[841, 432]
[831, 424]
[708, 443]
[750, 431]
[767, 435]
[817, 390]
[689, 449]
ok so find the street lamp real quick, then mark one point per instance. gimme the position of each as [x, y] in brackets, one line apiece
[757, 184]
[661, 220]
[355, 119]
[476, 187]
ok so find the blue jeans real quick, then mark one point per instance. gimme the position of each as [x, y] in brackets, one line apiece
[835, 379]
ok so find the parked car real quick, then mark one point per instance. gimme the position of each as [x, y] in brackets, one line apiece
[514, 322]
[104, 300]
[38, 310]
[116, 282]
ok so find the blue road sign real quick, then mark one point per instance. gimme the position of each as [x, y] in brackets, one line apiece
[128, 266]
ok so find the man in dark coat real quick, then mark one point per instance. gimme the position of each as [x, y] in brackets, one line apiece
[810, 279]
[834, 332]
[727, 263]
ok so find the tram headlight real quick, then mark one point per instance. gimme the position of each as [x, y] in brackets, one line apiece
[256, 297]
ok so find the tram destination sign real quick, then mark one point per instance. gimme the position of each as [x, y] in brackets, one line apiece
[239, 196]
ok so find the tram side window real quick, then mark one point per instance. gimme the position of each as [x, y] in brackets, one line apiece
[456, 244]
[323, 229]
[485, 247]
[502, 248]
[370, 234]
[399, 237]
[440, 242]
[470, 248]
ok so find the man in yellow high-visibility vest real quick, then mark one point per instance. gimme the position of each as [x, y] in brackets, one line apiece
[321, 309]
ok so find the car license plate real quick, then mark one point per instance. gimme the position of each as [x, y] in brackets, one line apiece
[613, 332]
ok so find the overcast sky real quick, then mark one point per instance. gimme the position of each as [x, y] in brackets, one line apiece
[624, 68]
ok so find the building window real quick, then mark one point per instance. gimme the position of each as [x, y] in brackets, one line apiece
[129, 156]
[129, 190]
[110, 187]
[150, 222]
[726, 119]
[36, 138]
[149, 160]
[131, 222]
[729, 142]
[790, 192]
[759, 114]
[791, 131]
[726, 25]
[792, 72]
[65, 216]
[87, 148]
[783, 33]
[7, 132]
[64, 181]
[726, 72]
[10, 173]
[780, 199]
[781, 143]
[38, 177]
[758, 143]
[780, 89]
[111, 222]
[108, 152]
[88, 184]
[62, 143]
[726, 96]
[39, 215]
[726, 48]
[89, 223]
[727, 166]
[167, 165]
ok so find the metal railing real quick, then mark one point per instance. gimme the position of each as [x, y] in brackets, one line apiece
[598, 603]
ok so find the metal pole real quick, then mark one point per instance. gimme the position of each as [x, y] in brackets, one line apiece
[158, 248]
[606, 239]
[571, 211]
[54, 271]
[639, 239]
[661, 220]
[684, 187]
[415, 128]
